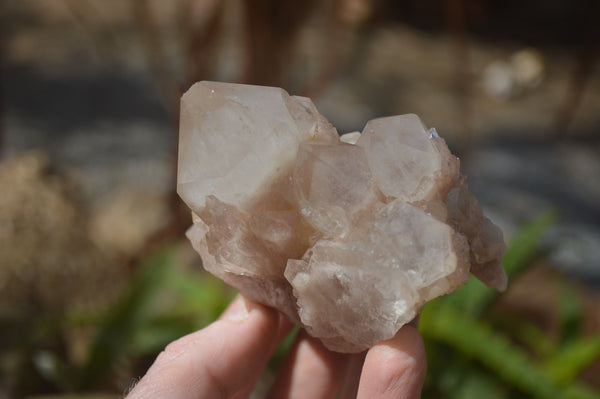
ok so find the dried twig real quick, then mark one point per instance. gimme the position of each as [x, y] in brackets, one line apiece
[156, 55]
[586, 63]
[271, 27]
[457, 22]
[339, 40]
[201, 45]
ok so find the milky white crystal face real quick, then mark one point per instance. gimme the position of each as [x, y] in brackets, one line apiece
[348, 238]
[333, 192]
[407, 161]
[403, 258]
[236, 139]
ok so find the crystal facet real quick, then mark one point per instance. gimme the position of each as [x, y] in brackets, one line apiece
[347, 237]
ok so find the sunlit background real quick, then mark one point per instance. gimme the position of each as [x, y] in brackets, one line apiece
[95, 274]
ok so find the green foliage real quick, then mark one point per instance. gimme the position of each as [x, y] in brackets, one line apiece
[474, 353]
[125, 319]
[162, 302]
[570, 312]
[476, 340]
[571, 359]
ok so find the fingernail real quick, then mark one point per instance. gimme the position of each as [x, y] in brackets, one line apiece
[237, 311]
[251, 305]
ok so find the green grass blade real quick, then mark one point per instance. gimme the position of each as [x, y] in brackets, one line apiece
[199, 294]
[157, 333]
[477, 341]
[570, 360]
[477, 385]
[124, 319]
[525, 332]
[570, 311]
[523, 248]
[578, 391]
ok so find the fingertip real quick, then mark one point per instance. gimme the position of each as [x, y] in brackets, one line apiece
[395, 367]
[241, 307]
[407, 340]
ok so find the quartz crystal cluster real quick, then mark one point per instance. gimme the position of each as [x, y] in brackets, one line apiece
[347, 237]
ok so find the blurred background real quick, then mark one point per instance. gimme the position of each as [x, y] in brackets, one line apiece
[95, 274]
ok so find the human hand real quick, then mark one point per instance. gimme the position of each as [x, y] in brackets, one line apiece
[225, 359]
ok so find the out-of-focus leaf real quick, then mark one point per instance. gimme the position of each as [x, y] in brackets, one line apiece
[477, 385]
[473, 339]
[132, 311]
[283, 348]
[199, 293]
[456, 377]
[570, 311]
[471, 298]
[525, 332]
[477, 341]
[578, 391]
[453, 322]
[523, 249]
[573, 358]
[440, 378]
[159, 332]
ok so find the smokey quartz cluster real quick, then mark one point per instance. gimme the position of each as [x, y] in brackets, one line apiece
[347, 237]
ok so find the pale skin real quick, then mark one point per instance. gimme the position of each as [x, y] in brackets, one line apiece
[225, 359]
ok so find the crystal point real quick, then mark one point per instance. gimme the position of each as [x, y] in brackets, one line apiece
[348, 238]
